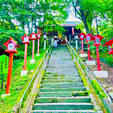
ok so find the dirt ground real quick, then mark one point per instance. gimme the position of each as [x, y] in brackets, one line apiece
[107, 83]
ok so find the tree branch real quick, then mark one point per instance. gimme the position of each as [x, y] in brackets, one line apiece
[75, 7]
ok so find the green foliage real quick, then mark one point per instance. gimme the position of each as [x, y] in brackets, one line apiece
[98, 89]
[106, 29]
[15, 15]
[90, 9]
[80, 26]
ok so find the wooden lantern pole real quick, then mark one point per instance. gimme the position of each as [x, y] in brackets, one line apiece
[76, 45]
[98, 59]
[38, 46]
[25, 57]
[89, 53]
[9, 73]
[11, 49]
[33, 49]
[82, 47]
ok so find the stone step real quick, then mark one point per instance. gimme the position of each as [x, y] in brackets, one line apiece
[63, 94]
[62, 64]
[63, 69]
[59, 81]
[63, 106]
[62, 89]
[61, 85]
[63, 111]
[52, 74]
[61, 78]
[79, 99]
[64, 72]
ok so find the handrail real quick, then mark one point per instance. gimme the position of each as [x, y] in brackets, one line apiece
[93, 81]
[34, 76]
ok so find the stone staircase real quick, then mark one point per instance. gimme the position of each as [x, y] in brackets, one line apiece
[62, 89]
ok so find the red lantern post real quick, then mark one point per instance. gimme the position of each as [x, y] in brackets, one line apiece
[82, 36]
[97, 43]
[73, 31]
[109, 46]
[25, 40]
[38, 35]
[33, 38]
[88, 39]
[11, 49]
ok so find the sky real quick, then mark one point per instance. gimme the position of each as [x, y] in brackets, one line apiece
[72, 15]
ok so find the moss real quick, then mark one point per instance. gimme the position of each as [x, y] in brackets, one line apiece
[55, 100]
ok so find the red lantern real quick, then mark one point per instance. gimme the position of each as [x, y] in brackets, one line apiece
[11, 49]
[97, 43]
[82, 36]
[25, 39]
[109, 46]
[88, 37]
[38, 35]
[97, 40]
[11, 46]
[33, 38]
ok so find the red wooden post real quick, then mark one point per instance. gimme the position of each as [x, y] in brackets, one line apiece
[97, 42]
[33, 48]
[73, 31]
[11, 49]
[33, 38]
[25, 40]
[88, 39]
[9, 73]
[82, 47]
[82, 36]
[25, 57]
[98, 59]
[38, 35]
[38, 46]
[89, 53]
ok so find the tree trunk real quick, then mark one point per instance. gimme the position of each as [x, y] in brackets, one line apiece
[23, 24]
[86, 26]
[28, 26]
[32, 25]
[84, 19]
[35, 26]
